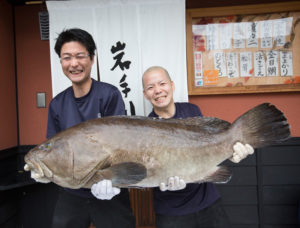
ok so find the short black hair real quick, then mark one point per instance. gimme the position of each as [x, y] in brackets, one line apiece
[76, 34]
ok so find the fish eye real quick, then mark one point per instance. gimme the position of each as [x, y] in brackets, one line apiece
[45, 146]
[48, 145]
[41, 147]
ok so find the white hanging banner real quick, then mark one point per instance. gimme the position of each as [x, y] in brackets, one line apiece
[119, 58]
[131, 35]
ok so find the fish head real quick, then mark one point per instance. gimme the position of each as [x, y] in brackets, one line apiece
[44, 160]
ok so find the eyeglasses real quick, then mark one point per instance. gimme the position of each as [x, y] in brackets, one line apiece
[78, 57]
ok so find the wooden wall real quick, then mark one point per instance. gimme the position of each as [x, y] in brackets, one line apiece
[8, 112]
[33, 73]
[229, 107]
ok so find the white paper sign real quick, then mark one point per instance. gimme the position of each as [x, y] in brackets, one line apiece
[286, 63]
[212, 40]
[199, 30]
[225, 35]
[259, 64]
[266, 33]
[232, 65]
[272, 63]
[220, 63]
[245, 63]
[279, 31]
[239, 35]
[289, 24]
[252, 34]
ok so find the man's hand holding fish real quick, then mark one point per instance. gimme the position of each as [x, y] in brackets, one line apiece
[104, 190]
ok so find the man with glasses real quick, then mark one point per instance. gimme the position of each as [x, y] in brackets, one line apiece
[86, 99]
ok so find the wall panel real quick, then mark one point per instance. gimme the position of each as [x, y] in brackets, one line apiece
[33, 69]
[8, 112]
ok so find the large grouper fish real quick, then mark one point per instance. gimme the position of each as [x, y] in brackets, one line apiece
[143, 152]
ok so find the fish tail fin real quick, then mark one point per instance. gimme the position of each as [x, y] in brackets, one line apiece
[261, 126]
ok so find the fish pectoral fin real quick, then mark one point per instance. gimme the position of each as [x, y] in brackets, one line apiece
[127, 173]
[221, 175]
[121, 175]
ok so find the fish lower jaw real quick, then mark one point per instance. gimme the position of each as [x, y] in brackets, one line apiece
[42, 180]
[35, 175]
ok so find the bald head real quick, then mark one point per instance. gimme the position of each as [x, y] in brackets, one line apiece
[158, 88]
[155, 68]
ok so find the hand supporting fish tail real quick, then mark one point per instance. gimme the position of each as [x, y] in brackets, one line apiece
[241, 151]
[174, 184]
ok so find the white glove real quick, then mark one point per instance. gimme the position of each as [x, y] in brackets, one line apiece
[241, 151]
[174, 184]
[104, 190]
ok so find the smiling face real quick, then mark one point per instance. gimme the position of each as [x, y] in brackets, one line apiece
[158, 88]
[76, 62]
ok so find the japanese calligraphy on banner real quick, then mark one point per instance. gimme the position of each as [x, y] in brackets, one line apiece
[246, 50]
[119, 53]
[131, 35]
[123, 65]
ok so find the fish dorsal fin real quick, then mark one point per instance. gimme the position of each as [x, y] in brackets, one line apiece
[210, 124]
[121, 175]
[222, 175]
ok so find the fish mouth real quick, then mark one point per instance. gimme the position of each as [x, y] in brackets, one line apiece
[39, 171]
[35, 168]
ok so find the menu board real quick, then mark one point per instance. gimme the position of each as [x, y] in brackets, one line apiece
[246, 53]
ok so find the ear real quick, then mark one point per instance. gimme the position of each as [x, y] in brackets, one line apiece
[145, 95]
[173, 86]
